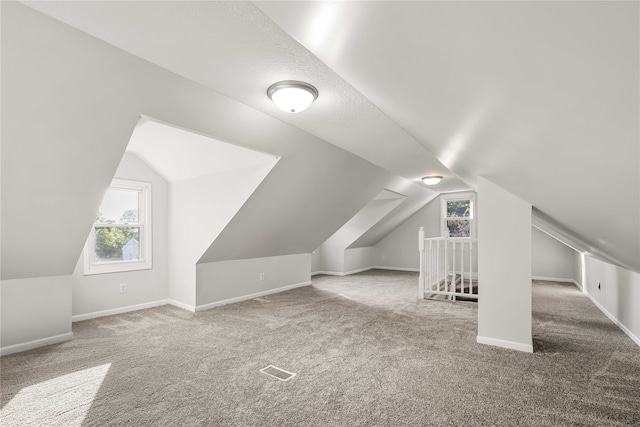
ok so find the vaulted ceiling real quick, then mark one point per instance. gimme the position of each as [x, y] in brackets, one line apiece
[541, 98]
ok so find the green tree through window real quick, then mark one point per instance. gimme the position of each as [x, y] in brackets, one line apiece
[121, 236]
[110, 241]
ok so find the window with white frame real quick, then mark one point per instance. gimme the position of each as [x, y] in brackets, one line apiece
[120, 239]
[457, 215]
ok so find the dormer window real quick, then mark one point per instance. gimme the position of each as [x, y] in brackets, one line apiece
[120, 239]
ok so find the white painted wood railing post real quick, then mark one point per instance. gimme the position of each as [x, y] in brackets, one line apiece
[421, 278]
[446, 265]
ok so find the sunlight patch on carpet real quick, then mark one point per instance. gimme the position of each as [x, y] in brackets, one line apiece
[64, 400]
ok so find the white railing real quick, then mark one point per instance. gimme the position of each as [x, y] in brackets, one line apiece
[446, 267]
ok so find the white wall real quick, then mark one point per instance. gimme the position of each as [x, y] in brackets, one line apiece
[579, 269]
[316, 261]
[35, 312]
[333, 250]
[229, 281]
[99, 294]
[618, 296]
[551, 259]
[399, 248]
[358, 259]
[200, 208]
[504, 268]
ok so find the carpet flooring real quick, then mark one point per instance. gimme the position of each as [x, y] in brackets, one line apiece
[365, 351]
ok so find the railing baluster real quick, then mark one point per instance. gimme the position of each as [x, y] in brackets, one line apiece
[453, 273]
[462, 267]
[470, 266]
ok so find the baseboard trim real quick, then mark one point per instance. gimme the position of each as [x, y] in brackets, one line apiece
[119, 310]
[552, 279]
[328, 273]
[360, 270]
[182, 305]
[578, 285]
[527, 348]
[17, 348]
[250, 296]
[380, 267]
[614, 320]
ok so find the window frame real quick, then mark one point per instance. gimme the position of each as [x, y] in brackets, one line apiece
[91, 266]
[444, 230]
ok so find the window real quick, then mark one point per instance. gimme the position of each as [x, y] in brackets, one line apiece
[457, 215]
[120, 239]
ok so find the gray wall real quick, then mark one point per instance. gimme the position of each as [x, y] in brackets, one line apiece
[34, 312]
[551, 259]
[618, 296]
[399, 249]
[228, 281]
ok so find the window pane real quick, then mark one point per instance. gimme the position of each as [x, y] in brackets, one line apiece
[459, 228]
[458, 208]
[117, 243]
[119, 207]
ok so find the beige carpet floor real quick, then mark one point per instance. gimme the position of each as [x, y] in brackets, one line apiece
[365, 352]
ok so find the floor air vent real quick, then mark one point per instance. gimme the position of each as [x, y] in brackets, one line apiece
[278, 373]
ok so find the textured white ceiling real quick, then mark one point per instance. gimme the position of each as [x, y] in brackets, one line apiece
[542, 98]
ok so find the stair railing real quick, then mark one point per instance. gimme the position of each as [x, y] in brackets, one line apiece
[446, 267]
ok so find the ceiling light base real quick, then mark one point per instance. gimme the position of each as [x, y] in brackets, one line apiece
[292, 96]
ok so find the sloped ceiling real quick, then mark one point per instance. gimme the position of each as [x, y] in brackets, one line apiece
[541, 98]
[178, 154]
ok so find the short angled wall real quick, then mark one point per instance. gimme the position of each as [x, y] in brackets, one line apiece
[616, 292]
[119, 310]
[224, 282]
[35, 312]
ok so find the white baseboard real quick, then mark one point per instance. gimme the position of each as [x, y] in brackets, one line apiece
[119, 310]
[380, 267]
[553, 279]
[182, 305]
[328, 273]
[578, 285]
[250, 296]
[527, 348]
[360, 270]
[614, 320]
[16, 348]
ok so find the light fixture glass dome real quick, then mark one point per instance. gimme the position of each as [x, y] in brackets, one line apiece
[292, 96]
[431, 180]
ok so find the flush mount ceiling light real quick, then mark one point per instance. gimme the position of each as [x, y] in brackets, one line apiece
[292, 96]
[431, 180]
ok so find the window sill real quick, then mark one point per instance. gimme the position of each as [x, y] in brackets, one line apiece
[117, 267]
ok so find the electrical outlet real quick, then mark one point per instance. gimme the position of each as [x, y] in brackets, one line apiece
[123, 288]
[261, 276]
[382, 257]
